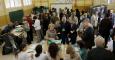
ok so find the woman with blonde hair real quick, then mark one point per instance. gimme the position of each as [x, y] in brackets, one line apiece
[51, 32]
[73, 54]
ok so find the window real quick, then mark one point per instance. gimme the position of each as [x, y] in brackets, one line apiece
[12, 3]
[17, 3]
[110, 1]
[27, 2]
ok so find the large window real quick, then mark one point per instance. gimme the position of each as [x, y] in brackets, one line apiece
[17, 3]
[27, 2]
[110, 1]
[12, 3]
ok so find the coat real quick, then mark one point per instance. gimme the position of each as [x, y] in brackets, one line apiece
[100, 54]
[88, 37]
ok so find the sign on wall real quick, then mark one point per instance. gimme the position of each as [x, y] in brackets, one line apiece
[64, 1]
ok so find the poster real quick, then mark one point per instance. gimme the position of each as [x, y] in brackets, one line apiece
[64, 1]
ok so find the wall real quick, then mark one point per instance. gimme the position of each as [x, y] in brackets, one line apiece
[105, 2]
[80, 4]
[3, 17]
[4, 13]
[112, 6]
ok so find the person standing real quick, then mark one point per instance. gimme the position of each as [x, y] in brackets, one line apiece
[30, 32]
[64, 30]
[73, 18]
[46, 22]
[94, 21]
[88, 34]
[105, 27]
[37, 27]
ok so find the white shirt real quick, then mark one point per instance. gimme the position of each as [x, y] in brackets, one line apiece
[94, 20]
[24, 56]
[37, 24]
[41, 57]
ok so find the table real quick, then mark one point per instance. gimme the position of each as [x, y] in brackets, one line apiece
[19, 31]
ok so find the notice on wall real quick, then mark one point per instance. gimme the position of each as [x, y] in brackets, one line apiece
[64, 1]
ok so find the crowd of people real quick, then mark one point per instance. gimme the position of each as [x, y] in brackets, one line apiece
[88, 30]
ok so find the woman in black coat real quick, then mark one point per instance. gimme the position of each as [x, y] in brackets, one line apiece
[64, 30]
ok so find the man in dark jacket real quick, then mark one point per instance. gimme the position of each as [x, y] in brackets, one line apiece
[88, 34]
[99, 53]
[46, 22]
[104, 28]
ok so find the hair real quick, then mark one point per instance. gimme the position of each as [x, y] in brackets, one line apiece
[107, 14]
[82, 12]
[70, 50]
[77, 10]
[86, 19]
[53, 50]
[22, 46]
[35, 17]
[99, 41]
[38, 50]
[50, 25]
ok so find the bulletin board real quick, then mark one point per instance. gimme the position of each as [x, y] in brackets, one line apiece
[16, 15]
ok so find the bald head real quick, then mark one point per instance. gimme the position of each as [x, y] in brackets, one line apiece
[99, 41]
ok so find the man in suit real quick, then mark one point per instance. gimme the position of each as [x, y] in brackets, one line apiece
[88, 34]
[99, 53]
[104, 28]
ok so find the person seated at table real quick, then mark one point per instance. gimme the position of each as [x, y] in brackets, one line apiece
[51, 32]
[73, 54]
[53, 52]
[7, 28]
[23, 55]
[39, 54]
